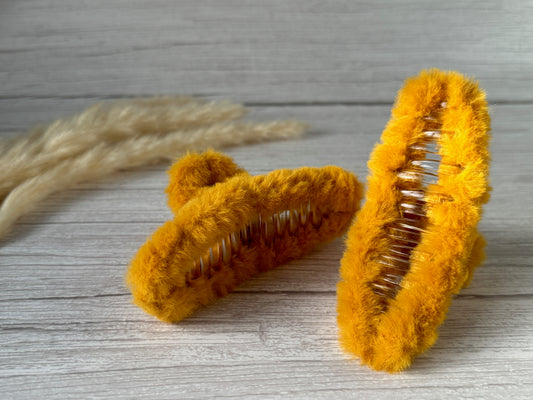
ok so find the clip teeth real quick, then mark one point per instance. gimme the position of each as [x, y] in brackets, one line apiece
[280, 223]
[269, 228]
[226, 250]
[303, 216]
[262, 229]
[405, 233]
[293, 221]
[432, 133]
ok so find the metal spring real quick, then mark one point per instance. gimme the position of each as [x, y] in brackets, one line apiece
[262, 229]
[405, 233]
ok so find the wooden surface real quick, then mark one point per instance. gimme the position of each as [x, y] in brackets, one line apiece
[67, 325]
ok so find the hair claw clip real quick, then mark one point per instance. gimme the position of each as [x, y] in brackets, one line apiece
[228, 226]
[415, 243]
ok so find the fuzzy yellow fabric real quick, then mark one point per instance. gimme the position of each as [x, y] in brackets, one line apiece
[212, 198]
[443, 261]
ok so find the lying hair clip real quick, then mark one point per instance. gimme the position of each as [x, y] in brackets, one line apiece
[415, 243]
[229, 226]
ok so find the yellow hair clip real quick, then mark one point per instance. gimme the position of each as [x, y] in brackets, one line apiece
[229, 226]
[415, 241]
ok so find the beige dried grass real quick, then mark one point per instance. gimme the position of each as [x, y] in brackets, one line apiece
[123, 134]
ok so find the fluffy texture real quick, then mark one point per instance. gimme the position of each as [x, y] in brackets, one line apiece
[45, 146]
[388, 338]
[109, 137]
[212, 198]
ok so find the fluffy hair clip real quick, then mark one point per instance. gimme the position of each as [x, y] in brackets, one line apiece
[415, 243]
[228, 226]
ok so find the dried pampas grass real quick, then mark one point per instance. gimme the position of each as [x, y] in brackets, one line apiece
[123, 134]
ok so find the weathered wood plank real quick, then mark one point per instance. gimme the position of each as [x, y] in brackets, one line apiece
[275, 51]
[273, 345]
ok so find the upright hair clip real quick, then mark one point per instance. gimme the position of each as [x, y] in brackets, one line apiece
[229, 226]
[415, 241]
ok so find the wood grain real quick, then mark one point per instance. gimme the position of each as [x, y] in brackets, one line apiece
[67, 325]
[274, 51]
